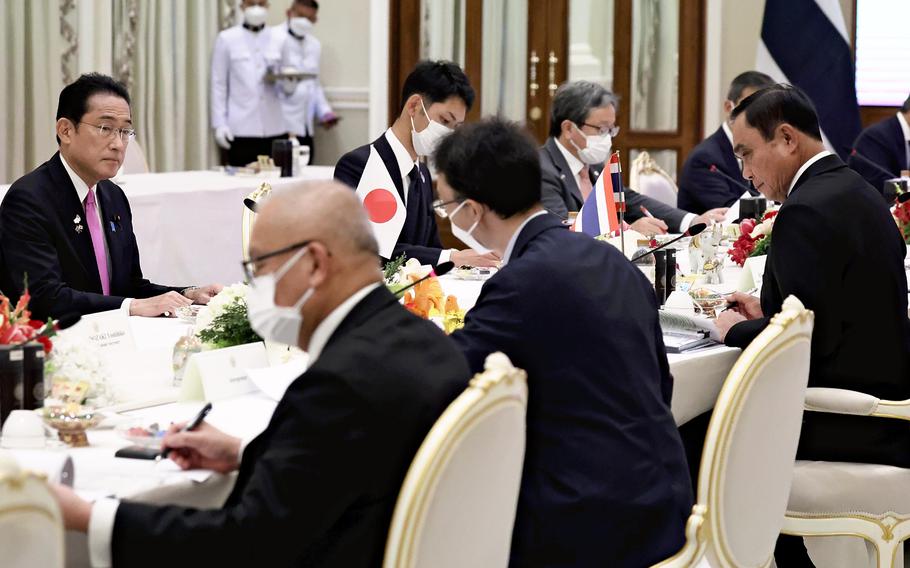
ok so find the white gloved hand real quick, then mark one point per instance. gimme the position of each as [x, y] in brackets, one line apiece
[224, 137]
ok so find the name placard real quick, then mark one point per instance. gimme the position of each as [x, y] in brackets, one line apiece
[752, 274]
[222, 373]
[109, 331]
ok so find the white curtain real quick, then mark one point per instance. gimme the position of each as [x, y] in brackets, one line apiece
[29, 84]
[170, 80]
[505, 59]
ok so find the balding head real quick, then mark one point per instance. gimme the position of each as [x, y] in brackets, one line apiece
[341, 255]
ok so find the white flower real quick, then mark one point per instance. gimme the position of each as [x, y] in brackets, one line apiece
[74, 358]
[216, 305]
[763, 228]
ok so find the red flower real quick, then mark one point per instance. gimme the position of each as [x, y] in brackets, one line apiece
[46, 342]
[746, 226]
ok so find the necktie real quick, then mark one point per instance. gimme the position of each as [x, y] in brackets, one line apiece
[94, 229]
[413, 187]
[585, 183]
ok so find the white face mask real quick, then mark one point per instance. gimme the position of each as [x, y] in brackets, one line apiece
[426, 140]
[255, 16]
[465, 236]
[272, 322]
[597, 149]
[300, 26]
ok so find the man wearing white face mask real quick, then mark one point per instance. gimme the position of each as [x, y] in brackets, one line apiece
[582, 128]
[318, 486]
[605, 481]
[303, 102]
[246, 111]
[436, 97]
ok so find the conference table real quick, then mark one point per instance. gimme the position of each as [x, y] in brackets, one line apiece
[187, 224]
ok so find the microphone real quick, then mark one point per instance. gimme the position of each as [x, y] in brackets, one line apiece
[439, 270]
[855, 154]
[250, 204]
[693, 230]
[715, 170]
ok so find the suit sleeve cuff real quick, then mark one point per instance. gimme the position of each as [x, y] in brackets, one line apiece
[686, 221]
[101, 532]
[445, 255]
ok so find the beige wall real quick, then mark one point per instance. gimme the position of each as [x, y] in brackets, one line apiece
[344, 31]
[740, 35]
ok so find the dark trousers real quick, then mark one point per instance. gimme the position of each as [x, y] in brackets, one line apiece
[308, 142]
[245, 150]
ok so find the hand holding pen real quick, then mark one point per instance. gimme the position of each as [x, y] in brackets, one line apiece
[202, 447]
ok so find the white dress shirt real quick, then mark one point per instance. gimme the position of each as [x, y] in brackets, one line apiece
[308, 102]
[104, 511]
[405, 165]
[82, 190]
[241, 99]
[906, 130]
[802, 169]
[576, 166]
[511, 246]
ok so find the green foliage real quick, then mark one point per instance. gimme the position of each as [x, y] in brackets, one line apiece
[230, 328]
[392, 266]
[763, 246]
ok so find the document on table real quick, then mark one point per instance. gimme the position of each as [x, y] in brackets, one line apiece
[123, 477]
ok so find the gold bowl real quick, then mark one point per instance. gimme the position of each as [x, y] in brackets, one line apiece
[71, 422]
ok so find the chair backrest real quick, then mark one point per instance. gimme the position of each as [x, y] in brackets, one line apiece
[31, 527]
[648, 178]
[750, 447]
[134, 161]
[457, 505]
[248, 217]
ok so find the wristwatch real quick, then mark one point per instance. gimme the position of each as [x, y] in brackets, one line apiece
[188, 289]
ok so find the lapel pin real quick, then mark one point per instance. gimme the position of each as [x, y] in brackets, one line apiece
[113, 227]
[562, 176]
[78, 229]
[77, 219]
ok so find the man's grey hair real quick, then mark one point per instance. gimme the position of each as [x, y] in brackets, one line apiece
[575, 101]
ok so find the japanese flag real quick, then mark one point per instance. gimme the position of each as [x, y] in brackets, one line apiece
[382, 202]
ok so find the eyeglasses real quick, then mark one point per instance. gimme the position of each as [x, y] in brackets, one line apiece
[439, 206]
[603, 130]
[125, 134]
[251, 266]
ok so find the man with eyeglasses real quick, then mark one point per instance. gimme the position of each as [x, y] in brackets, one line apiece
[582, 128]
[318, 486]
[66, 232]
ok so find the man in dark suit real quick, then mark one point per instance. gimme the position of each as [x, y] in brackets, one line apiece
[67, 229]
[436, 96]
[700, 188]
[605, 480]
[319, 485]
[884, 146]
[835, 243]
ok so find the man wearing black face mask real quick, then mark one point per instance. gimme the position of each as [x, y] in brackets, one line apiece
[304, 102]
[436, 97]
[318, 486]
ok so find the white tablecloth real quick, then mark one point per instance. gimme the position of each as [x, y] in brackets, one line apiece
[187, 224]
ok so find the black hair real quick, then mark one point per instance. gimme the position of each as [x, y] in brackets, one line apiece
[307, 4]
[746, 80]
[436, 81]
[494, 162]
[73, 101]
[575, 101]
[772, 106]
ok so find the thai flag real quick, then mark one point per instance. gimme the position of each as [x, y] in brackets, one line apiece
[805, 43]
[598, 215]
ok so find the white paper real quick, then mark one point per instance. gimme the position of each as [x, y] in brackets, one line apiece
[58, 466]
[273, 381]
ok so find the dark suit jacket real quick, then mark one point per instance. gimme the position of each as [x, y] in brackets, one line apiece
[318, 486]
[837, 249]
[38, 238]
[883, 144]
[605, 480]
[419, 237]
[559, 192]
[699, 188]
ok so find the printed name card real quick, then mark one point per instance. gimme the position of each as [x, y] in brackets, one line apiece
[108, 331]
[222, 373]
[752, 273]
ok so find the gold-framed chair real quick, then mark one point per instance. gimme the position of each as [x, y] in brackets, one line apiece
[869, 501]
[31, 525]
[249, 215]
[457, 504]
[750, 449]
[648, 178]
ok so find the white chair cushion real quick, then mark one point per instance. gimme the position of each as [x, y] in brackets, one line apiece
[657, 187]
[838, 487]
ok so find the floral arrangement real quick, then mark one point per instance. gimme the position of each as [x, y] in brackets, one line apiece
[225, 322]
[18, 327]
[754, 238]
[76, 373]
[426, 298]
[901, 213]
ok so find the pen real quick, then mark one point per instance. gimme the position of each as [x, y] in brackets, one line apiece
[731, 305]
[191, 425]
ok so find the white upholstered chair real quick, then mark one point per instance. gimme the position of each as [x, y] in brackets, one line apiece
[852, 499]
[750, 449]
[249, 215]
[31, 528]
[134, 161]
[457, 504]
[647, 178]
